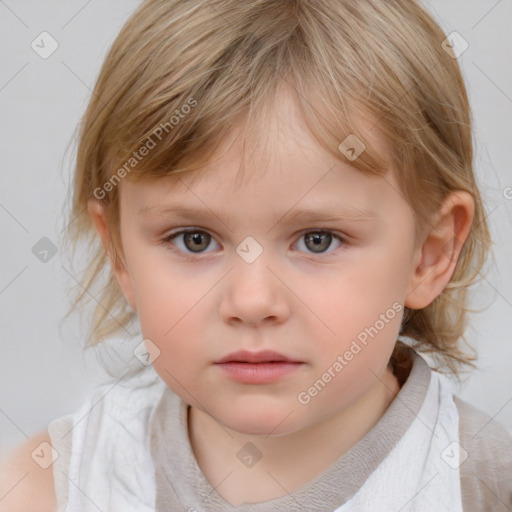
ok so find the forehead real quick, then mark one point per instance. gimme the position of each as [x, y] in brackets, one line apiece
[301, 190]
[280, 165]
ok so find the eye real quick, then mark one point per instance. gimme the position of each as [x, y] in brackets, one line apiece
[193, 240]
[319, 240]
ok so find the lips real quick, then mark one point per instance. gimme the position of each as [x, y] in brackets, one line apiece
[256, 368]
[264, 356]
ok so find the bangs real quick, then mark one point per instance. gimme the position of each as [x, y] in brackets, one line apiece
[175, 113]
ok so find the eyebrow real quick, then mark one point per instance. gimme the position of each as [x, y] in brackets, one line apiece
[335, 214]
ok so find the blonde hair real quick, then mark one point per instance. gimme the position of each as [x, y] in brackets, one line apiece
[182, 72]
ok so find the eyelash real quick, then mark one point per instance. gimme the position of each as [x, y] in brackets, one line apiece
[190, 256]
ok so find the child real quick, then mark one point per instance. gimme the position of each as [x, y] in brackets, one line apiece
[321, 153]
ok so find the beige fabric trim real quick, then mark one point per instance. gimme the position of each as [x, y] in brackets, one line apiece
[60, 433]
[486, 474]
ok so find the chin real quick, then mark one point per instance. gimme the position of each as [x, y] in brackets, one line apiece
[260, 423]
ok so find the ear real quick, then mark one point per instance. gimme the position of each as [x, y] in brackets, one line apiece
[436, 259]
[96, 211]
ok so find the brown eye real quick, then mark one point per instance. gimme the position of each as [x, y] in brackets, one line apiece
[196, 241]
[318, 242]
[192, 241]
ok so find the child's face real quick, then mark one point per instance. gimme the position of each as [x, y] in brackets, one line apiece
[308, 299]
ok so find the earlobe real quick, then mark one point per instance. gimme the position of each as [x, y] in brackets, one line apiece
[96, 211]
[437, 257]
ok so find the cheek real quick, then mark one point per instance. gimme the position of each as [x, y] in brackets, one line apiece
[171, 323]
[358, 298]
[165, 293]
[359, 318]
[159, 296]
[171, 314]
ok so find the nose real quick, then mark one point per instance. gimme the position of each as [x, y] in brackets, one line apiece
[254, 294]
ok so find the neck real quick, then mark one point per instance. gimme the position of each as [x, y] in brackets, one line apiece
[289, 461]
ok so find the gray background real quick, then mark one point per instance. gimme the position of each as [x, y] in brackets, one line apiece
[44, 373]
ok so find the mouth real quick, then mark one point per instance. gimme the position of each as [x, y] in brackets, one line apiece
[258, 367]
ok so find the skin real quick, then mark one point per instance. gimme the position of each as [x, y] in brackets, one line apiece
[305, 304]
[24, 484]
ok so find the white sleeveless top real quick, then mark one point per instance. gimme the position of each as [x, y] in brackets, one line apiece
[111, 467]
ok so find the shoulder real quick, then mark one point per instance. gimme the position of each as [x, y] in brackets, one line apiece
[25, 484]
[481, 431]
[486, 469]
